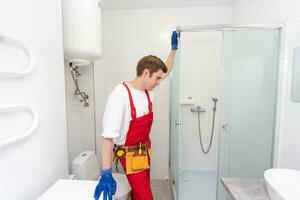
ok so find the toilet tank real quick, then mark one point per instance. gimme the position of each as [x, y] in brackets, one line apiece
[86, 166]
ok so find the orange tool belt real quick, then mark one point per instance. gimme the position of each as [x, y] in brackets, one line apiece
[137, 157]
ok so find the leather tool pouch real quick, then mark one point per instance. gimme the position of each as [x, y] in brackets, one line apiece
[137, 159]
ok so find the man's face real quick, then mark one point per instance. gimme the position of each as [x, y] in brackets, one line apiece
[153, 80]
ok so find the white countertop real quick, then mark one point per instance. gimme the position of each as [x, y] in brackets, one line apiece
[70, 190]
[245, 189]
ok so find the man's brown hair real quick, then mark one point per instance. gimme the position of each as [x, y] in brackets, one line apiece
[153, 63]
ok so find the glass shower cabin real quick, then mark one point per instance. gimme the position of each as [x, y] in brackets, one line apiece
[223, 108]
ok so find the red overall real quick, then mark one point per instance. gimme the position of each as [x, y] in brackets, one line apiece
[138, 131]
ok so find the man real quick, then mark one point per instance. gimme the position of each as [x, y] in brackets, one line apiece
[127, 123]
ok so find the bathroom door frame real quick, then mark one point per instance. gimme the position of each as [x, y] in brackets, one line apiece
[280, 69]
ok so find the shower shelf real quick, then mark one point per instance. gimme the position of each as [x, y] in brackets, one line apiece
[25, 49]
[25, 134]
[187, 101]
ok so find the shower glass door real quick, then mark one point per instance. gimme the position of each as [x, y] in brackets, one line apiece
[175, 124]
[248, 103]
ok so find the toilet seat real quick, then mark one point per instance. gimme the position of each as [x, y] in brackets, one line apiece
[82, 189]
[123, 188]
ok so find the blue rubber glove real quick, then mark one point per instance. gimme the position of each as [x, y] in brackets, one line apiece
[174, 40]
[107, 185]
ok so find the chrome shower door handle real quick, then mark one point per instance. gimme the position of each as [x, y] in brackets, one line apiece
[177, 123]
[225, 127]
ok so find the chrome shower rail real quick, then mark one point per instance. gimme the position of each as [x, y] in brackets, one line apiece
[224, 27]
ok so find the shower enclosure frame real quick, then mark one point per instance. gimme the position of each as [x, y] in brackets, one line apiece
[175, 122]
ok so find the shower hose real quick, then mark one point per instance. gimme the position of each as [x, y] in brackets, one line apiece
[212, 130]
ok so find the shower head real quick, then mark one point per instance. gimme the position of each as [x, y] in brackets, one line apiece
[215, 99]
[215, 103]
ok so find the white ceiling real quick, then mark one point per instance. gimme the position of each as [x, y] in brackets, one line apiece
[137, 4]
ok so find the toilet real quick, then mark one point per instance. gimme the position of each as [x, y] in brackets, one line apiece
[85, 175]
[85, 167]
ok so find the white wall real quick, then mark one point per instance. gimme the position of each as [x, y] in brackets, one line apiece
[265, 11]
[200, 64]
[80, 119]
[287, 13]
[289, 150]
[29, 167]
[129, 35]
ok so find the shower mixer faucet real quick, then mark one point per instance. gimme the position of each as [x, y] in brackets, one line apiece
[198, 109]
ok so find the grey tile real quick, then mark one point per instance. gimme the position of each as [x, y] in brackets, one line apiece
[161, 189]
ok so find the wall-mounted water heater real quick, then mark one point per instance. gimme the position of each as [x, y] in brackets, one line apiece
[81, 31]
[82, 38]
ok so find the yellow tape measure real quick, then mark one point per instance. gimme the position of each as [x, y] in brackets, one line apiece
[120, 152]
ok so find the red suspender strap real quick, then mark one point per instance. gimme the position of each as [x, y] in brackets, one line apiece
[133, 110]
[149, 101]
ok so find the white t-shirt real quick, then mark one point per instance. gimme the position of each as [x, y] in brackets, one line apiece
[117, 114]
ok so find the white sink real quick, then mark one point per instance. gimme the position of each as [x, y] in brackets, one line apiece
[283, 184]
